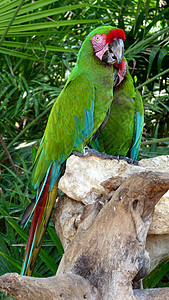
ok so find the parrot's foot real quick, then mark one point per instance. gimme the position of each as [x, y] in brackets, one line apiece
[129, 160]
[89, 152]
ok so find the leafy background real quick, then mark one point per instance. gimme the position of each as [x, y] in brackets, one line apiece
[38, 48]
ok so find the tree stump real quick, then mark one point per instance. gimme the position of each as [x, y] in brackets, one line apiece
[107, 252]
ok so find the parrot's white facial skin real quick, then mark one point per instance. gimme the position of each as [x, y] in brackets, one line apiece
[110, 52]
[99, 45]
[107, 50]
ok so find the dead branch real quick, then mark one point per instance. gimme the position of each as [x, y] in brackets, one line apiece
[108, 253]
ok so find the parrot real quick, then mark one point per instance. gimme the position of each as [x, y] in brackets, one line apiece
[120, 133]
[75, 117]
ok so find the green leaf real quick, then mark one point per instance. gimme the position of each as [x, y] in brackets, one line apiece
[47, 25]
[14, 224]
[45, 13]
[152, 56]
[48, 260]
[13, 174]
[11, 260]
[152, 279]
[161, 56]
[56, 240]
[39, 47]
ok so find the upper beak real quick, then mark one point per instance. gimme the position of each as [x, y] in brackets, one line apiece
[116, 51]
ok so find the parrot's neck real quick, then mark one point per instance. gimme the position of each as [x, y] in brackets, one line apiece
[96, 71]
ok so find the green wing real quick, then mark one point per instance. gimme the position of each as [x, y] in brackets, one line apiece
[69, 126]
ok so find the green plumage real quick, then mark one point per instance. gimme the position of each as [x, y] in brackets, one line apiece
[123, 129]
[90, 86]
[75, 118]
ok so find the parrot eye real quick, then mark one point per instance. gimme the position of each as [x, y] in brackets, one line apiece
[97, 38]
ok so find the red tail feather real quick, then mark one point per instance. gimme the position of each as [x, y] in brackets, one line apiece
[37, 216]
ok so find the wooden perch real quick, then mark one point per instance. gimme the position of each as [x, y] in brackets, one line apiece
[111, 253]
[66, 287]
[108, 250]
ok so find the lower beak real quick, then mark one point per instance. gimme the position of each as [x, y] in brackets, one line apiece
[116, 51]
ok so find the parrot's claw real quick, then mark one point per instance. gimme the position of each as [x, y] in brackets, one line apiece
[92, 152]
[129, 160]
[89, 152]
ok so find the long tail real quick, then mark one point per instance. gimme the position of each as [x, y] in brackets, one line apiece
[40, 220]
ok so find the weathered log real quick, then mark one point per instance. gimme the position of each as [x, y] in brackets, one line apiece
[91, 189]
[104, 238]
[152, 294]
[111, 252]
[108, 248]
[66, 287]
[158, 248]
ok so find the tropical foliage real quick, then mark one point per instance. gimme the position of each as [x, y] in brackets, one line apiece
[38, 48]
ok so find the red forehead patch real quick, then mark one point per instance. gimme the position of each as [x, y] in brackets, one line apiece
[115, 34]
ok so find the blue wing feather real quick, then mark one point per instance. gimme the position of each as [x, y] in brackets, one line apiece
[139, 119]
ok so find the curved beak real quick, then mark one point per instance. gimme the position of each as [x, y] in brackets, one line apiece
[115, 52]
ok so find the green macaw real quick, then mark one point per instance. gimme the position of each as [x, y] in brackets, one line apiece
[77, 114]
[120, 133]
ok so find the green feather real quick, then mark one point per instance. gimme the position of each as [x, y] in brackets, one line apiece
[122, 132]
[78, 111]
[76, 116]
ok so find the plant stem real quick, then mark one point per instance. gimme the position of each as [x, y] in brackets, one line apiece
[10, 22]
[8, 154]
[155, 141]
[152, 79]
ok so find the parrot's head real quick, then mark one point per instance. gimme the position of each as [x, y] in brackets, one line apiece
[109, 47]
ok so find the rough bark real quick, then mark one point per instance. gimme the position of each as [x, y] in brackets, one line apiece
[158, 248]
[92, 189]
[66, 287]
[152, 294]
[107, 251]
[111, 252]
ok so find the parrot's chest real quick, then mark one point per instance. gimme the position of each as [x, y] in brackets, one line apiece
[103, 92]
